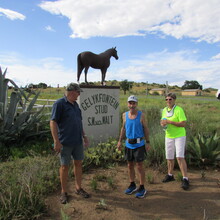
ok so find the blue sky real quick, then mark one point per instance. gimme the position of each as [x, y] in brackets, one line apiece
[156, 40]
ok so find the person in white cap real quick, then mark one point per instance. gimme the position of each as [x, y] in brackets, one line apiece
[135, 129]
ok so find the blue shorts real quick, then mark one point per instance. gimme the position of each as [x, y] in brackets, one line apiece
[69, 153]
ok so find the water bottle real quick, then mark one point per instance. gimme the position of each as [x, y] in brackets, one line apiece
[164, 127]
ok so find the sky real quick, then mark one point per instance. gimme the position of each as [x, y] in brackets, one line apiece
[157, 41]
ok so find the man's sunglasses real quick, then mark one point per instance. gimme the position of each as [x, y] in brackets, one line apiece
[168, 99]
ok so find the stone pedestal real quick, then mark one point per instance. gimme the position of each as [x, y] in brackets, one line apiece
[100, 112]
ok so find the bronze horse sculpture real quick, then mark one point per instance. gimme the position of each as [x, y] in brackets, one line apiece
[97, 61]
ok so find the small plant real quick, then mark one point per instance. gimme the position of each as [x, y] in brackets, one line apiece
[203, 173]
[179, 176]
[64, 216]
[110, 182]
[102, 205]
[150, 178]
[94, 184]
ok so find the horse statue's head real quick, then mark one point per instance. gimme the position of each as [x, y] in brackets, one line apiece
[114, 53]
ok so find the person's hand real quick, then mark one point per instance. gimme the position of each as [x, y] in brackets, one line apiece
[163, 122]
[119, 145]
[147, 147]
[86, 141]
[57, 146]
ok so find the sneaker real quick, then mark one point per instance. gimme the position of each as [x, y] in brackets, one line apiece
[141, 193]
[168, 178]
[63, 198]
[185, 184]
[130, 189]
[83, 193]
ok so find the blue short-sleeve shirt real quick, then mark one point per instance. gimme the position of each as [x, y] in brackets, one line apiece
[69, 120]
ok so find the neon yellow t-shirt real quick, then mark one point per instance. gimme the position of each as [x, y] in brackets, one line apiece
[173, 131]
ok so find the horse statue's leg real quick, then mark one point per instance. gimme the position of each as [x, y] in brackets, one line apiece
[86, 71]
[80, 67]
[103, 76]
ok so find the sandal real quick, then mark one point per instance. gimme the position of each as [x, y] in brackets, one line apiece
[82, 192]
[63, 198]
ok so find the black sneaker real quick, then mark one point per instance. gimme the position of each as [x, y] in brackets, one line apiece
[83, 193]
[168, 178]
[63, 198]
[185, 184]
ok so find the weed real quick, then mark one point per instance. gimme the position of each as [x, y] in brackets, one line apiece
[94, 184]
[64, 216]
[150, 178]
[203, 173]
[110, 182]
[102, 205]
[179, 176]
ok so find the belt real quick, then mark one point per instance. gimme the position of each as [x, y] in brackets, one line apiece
[135, 140]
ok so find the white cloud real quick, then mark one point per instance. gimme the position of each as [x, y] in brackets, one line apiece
[12, 15]
[172, 67]
[196, 19]
[216, 57]
[155, 67]
[49, 28]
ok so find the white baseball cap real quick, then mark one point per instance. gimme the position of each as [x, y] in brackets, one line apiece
[132, 98]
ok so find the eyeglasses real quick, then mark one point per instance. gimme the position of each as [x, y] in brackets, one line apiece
[168, 99]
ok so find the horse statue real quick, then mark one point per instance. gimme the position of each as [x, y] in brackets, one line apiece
[97, 61]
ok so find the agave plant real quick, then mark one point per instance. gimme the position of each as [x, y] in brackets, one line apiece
[17, 118]
[205, 149]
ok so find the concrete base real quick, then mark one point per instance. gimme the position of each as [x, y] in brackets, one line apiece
[100, 112]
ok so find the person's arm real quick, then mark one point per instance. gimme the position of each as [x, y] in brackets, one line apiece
[177, 124]
[146, 131]
[54, 132]
[122, 133]
[85, 139]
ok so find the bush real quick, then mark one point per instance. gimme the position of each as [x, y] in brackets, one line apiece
[17, 124]
[24, 185]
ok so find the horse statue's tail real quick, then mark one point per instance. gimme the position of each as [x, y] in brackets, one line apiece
[79, 67]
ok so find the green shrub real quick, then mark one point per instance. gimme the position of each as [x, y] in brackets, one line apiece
[17, 125]
[103, 155]
[24, 185]
[204, 149]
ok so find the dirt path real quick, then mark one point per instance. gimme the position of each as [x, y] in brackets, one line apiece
[163, 200]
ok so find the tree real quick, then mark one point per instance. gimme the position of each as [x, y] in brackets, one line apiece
[125, 85]
[42, 85]
[191, 85]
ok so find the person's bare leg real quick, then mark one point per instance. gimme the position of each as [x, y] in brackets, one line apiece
[131, 171]
[63, 178]
[141, 172]
[170, 166]
[78, 173]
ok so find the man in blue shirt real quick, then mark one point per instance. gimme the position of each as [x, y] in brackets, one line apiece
[135, 129]
[68, 136]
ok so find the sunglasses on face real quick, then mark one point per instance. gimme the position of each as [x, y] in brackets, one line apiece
[168, 99]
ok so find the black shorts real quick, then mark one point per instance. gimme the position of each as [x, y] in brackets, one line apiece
[138, 154]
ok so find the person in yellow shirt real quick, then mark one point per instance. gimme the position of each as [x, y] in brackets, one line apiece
[174, 120]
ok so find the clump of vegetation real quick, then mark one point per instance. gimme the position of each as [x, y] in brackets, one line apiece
[18, 121]
[103, 155]
[204, 150]
[24, 185]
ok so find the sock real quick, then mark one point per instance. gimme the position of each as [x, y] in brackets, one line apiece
[184, 177]
[141, 187]
[170, 174]
[133, 184]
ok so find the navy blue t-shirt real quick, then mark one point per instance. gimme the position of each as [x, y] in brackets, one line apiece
[69, 120]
